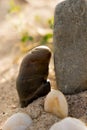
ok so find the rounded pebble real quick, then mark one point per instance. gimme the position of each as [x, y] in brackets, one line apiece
[18, 121]
[31, 82]
[55, 102]
[69, 123]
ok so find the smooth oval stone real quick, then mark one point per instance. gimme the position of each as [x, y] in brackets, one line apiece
[70, 46]
[18, 121]
[69, 123]
[56, 103]
[32, 78]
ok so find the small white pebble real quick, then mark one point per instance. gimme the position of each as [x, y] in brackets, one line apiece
[55, 102]
[18, 121]
[69, 123]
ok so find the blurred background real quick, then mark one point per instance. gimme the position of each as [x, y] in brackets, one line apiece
[24, 24]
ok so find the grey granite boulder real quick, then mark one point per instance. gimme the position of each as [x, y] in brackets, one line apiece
[70, 45]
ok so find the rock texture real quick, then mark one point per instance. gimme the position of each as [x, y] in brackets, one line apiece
[77, 104]
[32, 78]
[70, 45]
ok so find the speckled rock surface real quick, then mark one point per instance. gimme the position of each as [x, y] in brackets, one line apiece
[70, 45]
[77, 104]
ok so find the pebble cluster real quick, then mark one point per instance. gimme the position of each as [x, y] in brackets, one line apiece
[55, 103]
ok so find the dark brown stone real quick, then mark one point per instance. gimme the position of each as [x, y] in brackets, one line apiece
[32, 78]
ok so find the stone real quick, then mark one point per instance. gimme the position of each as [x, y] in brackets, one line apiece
[70, 46]
[69, 123]
[18, 121]
[56, 103]
[32, 80]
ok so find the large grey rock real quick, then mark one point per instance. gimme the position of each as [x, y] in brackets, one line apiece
[70, 45]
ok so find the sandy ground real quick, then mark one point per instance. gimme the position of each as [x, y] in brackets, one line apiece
[10, 57]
